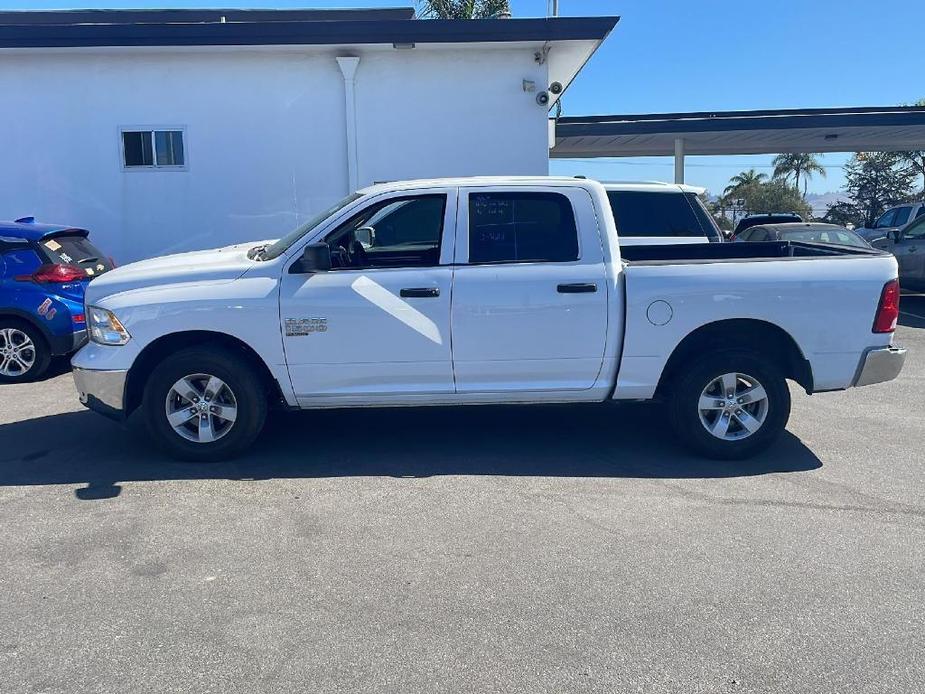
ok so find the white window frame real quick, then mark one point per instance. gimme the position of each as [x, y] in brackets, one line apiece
[152, 129]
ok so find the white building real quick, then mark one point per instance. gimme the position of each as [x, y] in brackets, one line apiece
[164, 131]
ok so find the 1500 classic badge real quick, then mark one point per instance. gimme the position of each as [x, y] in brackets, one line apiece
[305, 326]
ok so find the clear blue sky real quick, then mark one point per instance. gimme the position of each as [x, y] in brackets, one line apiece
[678, 55]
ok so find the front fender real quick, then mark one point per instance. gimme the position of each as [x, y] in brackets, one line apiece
[246, 308]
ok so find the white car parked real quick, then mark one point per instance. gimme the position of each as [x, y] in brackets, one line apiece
[483, 290]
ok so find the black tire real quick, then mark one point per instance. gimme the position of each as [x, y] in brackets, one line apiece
[40, 351]
[248, 395]
[685, 414]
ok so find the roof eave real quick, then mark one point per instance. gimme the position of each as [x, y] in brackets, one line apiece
[352, 32]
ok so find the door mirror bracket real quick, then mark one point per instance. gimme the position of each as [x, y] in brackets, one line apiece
[316, 257]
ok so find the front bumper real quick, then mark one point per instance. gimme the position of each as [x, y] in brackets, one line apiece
[880, 364]
[102, 391]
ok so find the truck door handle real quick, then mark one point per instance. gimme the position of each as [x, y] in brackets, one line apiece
[577, 288]
[419, 292]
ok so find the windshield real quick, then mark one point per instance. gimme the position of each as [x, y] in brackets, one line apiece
[276, 249]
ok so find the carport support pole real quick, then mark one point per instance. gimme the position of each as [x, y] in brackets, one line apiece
[679, 160]
[348, 67]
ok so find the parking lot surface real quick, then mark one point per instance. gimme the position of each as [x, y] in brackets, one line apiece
[542, 549]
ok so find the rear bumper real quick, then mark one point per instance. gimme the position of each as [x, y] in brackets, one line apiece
[102, 391]
[67, 344]
[880, 364]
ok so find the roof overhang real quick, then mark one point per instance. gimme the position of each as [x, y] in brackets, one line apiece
[190, 15]
[264, 28]
[743, 132]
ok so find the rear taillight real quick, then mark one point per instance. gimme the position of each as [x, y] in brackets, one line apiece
[54, 274]
[888, 308]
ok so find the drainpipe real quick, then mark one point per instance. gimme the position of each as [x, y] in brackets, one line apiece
[348, 67]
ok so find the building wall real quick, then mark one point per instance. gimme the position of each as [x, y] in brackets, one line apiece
[264, 130]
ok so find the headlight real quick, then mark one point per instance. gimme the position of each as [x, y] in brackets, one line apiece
[105, 328]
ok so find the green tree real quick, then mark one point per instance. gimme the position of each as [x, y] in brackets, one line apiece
[915, 159]
[743, 180]
[915, 162]
[774, 196]
[463, 9]
[799, 166]
[876, 181]
[844, 213]
[717, 209]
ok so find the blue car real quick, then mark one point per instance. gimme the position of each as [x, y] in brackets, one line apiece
[44, 270]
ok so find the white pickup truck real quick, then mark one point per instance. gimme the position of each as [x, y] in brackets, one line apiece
[482, 291]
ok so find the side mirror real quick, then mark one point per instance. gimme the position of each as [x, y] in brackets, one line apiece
[366, 236]
[897, 235]
[315, 258]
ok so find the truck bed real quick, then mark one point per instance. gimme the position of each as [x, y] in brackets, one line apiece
[733, 252]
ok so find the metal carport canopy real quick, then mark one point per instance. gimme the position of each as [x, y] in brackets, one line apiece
[873, 128]
[884, 128]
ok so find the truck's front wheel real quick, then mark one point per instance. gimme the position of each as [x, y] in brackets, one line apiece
[204, 404]
[730, 405]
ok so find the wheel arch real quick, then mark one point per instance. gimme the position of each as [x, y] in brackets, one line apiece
[759, 336]
[165, 345]
[25, 317]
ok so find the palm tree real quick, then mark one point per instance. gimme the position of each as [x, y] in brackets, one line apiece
[743, 180]
[797, 165]
[464, 9]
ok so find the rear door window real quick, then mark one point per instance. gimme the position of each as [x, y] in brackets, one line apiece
[639, 213]
[516, 227]
[73, 249]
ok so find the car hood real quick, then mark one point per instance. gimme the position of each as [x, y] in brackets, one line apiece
[226, 263]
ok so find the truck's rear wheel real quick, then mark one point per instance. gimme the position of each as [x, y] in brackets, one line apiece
[204, 404]
[730, 405]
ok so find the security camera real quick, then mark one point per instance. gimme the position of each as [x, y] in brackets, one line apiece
[556, 87]
[542, 98]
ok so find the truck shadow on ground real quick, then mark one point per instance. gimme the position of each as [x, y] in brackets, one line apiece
[562, 441]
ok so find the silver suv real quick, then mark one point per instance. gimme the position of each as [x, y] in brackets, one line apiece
[893, 219]
[908, 245]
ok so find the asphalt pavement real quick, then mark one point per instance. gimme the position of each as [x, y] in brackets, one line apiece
[489, 549]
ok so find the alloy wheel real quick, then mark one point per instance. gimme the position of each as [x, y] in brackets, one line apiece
[733, 406]
[17, 353]
[201, 408]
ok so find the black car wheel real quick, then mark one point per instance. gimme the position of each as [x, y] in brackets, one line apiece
[204, 404]
[730, 405]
